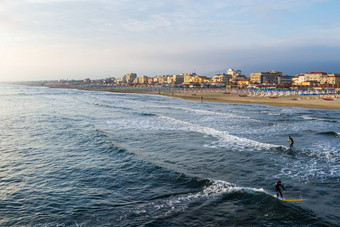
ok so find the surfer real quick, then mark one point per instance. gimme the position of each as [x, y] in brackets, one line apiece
[290, 139]
[277, 189]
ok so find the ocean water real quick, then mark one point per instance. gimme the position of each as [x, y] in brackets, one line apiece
[88, 158]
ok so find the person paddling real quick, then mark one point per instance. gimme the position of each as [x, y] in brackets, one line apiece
[290, 139]
[277, 189]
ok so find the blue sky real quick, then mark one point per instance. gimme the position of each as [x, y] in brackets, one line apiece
[76, 39]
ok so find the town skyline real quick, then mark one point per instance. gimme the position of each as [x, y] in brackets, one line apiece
[46, 40]
[231, 78]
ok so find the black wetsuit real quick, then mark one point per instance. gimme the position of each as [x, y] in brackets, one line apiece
[277, 189]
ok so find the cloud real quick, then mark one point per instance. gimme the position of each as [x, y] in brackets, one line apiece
[156, 37]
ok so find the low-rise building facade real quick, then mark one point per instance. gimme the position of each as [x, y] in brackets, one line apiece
[221, 79]
[317, 78]
[271, 77]
[188, 78]
[130, 77]
[178, 79]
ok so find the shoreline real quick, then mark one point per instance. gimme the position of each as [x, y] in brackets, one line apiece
[287, 101]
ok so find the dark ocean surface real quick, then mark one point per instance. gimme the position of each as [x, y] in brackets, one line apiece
[87, 158]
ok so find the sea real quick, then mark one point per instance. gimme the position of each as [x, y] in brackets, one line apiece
[92, 158]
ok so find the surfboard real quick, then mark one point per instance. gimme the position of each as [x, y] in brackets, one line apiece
[290, 200]
[293, 200]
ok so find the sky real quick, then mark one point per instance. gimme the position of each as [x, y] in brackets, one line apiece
[77, 39]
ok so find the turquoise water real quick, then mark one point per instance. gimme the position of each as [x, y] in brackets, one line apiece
[87, 158]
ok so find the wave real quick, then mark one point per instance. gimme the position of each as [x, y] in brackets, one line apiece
[168, 205]
[330, 133]
[234, 141]
[218, 194]
[110, 106]
[207, 112]
[308, 117]
[159, 122]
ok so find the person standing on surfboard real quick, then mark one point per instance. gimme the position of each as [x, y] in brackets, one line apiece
[277, 189]
[291, 142]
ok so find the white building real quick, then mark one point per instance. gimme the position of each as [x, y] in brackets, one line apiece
[234, 72]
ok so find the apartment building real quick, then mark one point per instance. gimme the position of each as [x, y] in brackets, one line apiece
[87, 80]
[143, 80]
[130, 77]
[331, 78]
[200, 80]
[317, 78]
[221, 79]
[188, 78]
[178, 79]
[272, 77]
[151, 80]
[121, 79]
[286, 79]
[234, 72]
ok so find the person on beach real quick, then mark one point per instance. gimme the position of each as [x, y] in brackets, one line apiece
[291, 142]
[277, 189]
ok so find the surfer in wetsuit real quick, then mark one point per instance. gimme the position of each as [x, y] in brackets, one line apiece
[291, 142]
[277, 189]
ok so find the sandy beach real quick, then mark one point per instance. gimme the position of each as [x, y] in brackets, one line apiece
[291, 100]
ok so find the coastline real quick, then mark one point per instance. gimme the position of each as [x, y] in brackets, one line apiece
[288, 101]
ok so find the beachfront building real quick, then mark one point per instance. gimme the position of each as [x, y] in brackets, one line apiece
[221, 79]
[234, 72]
[269, 77]
[188, 78]
[169, 79]
[309, 78]
[87, 81]
[143, 80]
[295, 80]
[121, 80]
[202, 80]
[331, 78]
[178, 79]
[130, 77]
[239, 77]
[135, 81]
[317, 78]
[164, 79]
[243, 82]
[109, 80]
[286, 79]
[151, 80]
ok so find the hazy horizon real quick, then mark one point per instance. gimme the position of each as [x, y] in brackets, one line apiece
[77, 39]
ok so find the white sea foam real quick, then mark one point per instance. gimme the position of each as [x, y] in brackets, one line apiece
[325, 152]
[146, 123]
[180, 203]
[223, 136]
[207, 112]
[323, 162]
[308, 117]
[164, 123]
